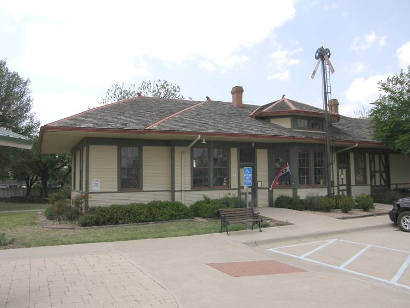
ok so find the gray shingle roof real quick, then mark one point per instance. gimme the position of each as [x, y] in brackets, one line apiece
[6, 133]
[207, 117]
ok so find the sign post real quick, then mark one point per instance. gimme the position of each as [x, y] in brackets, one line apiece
[247, 181]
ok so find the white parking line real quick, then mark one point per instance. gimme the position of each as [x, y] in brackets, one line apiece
[329, 242]
[393, 281]
[355, 256]
[401, 270]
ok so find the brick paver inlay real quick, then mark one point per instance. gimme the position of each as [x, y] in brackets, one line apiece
[100, 280]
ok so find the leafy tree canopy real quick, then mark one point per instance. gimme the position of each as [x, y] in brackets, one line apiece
[391, 114]
[156, 88]
[16, 102]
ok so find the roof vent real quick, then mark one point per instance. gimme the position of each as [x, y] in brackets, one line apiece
[139, 94]
[208, 99]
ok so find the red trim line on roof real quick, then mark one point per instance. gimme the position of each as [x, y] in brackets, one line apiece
[159, 132]
[173, 115]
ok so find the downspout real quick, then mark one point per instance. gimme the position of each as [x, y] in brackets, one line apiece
[183, 166]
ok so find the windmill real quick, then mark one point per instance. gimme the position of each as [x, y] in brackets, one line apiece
[322, 56]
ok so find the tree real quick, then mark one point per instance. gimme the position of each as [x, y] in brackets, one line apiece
[15, 111]
[390, 116]
[31, 166]
[156, 88]
[362, 112]
[16, 102]
[23, 168]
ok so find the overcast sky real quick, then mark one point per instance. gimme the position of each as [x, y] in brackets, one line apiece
[72, 51]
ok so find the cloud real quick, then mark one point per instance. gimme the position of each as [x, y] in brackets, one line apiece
[281, 61]
[53, 106]
[403, 54]
[98, 42]
[357, 68]
[368, 41]
[361, 92]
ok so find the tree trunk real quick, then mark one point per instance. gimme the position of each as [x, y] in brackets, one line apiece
[28, 186]
[44, 183]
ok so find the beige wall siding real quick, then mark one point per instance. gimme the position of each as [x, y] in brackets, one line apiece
[262, 166]
[360, 189]
[285, 122]
[314, 191]
[156, 168]
[399, 169]
[84, 158]
[263, 200]
[182, 158]
[77, 169]
[234, 168]
[193, 196]
[107, 199]
[103, 166]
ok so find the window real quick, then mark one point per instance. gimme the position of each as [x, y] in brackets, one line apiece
[314, 124]
[200, 164]
[205, 160]
[360, 167]
[130, 171]
[303, 158]
[280, 159]
[319, 168]
[220, 167]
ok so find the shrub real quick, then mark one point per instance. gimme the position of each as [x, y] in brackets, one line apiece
[326, 204]
[365, 202]
[208, 208]
[311, 203]
[4, 241]
[283, 202]
[386, 196]
[62, 210]
[293, 203]
[135, 213]
[345, 203]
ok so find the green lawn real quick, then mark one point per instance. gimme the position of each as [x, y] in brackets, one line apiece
[26, 233]
[14, 206]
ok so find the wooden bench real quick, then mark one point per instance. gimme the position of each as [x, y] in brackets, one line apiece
[239, 215]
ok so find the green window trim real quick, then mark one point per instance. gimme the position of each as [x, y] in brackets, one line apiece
[208, 169]
[130, 171]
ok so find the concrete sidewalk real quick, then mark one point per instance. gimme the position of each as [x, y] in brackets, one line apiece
[306, 225]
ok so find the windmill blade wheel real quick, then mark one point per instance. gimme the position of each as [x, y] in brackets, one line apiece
[329, 64]
[315, 70]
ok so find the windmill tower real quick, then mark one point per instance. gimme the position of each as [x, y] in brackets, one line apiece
[322, 56]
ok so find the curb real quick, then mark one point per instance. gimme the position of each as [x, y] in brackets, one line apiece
[364, 215]
[314, 234]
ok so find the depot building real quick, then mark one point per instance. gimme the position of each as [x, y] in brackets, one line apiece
[148, 148]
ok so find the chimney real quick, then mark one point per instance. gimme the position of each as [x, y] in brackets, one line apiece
[237, 96]
[334, 106]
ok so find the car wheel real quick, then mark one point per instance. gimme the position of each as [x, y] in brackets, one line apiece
[404, 221]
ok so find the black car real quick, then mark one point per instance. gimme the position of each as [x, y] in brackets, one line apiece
[400, 214]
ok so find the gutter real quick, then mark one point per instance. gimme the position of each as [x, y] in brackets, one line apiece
[349, 148]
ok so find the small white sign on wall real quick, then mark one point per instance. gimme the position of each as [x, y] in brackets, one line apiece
[95, 185]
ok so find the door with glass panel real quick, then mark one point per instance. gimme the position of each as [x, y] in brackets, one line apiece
[247, 159]
[343, 174]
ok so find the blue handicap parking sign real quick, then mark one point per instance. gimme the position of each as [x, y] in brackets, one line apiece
[247, 176]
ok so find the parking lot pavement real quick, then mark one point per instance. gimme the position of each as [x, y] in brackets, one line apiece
[375, 255]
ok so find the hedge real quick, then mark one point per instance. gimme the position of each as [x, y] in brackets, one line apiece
[135, 213]
[208, 208]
